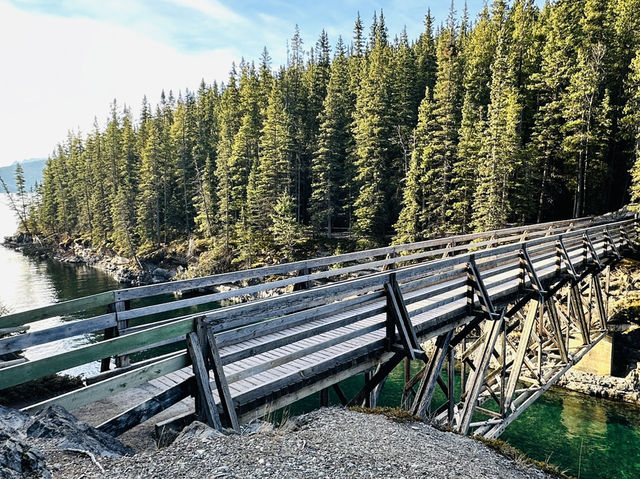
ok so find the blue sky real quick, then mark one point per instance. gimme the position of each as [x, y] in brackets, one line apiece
[64, 61]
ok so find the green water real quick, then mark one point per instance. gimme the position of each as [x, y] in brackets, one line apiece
[593, 437]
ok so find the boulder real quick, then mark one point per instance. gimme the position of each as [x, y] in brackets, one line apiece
[198, 430]
[12, 419]
[57, 423]
[18, 459]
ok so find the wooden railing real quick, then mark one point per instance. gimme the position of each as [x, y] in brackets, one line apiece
[495, 253]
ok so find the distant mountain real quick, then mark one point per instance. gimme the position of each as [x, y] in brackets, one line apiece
[32, 173]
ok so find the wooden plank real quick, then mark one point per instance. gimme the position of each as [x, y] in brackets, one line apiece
[91, 352]
[523, 345]
[107, 388]
[476, 378]
[65, 330]
[153, 290]
[72, 306]
[208, 411]
[432, 374]
[147, 409]
[221, 381]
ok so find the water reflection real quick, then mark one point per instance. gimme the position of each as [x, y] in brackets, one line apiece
[27, 283]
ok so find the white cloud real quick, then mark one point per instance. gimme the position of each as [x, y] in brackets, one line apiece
[211, 8]
[57, 73]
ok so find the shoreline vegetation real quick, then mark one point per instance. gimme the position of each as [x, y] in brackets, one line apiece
[521, 115]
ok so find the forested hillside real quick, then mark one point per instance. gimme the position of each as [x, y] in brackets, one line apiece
[519, 115]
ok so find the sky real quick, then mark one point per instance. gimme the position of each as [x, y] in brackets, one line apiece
[62, 62]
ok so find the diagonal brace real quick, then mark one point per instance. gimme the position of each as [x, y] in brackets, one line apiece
[432, 374]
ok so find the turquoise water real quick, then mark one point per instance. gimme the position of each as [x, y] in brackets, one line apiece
[592, 438]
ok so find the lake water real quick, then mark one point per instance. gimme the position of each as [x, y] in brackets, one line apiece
[27, 283]
[590, 438]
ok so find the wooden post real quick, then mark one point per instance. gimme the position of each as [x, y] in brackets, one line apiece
[432, 374]
[205, 406]
[451, 376]
[122, 361]
[406, 393]
[324, 397]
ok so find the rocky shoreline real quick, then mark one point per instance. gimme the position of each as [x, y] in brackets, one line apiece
[331, 442]
[155, 269]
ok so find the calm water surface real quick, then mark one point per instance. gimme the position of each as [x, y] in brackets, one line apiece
[585, 436]
[27, 283]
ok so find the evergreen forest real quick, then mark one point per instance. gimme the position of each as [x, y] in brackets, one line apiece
[521, 115]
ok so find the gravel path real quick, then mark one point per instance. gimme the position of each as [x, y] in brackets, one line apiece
[332, 442]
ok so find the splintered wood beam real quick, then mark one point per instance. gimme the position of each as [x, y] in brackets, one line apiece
[523, 346]
[207, 406]
[432, 374]
[476, 378]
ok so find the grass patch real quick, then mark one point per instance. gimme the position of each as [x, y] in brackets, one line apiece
[396, 414]
[507, 450]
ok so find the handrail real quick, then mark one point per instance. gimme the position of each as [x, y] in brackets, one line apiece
[441, 276]
[451, 245]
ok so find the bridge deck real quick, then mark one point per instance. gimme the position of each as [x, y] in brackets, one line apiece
[260, 377]
[278, 349]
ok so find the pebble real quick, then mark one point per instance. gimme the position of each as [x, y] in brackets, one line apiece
[345, 444]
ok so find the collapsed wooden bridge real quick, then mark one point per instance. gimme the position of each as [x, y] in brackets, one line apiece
[508, 312]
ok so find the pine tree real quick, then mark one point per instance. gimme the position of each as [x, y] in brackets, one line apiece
[480, 50]
[632, 124]
[334, 143]
[501, 146]
[373, 128]
[287, 233]
[276, 151]
[230, 121]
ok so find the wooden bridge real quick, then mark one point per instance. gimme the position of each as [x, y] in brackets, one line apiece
[508, 312]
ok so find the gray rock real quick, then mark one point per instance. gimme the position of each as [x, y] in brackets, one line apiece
[161, 273]
[55, 422]
[198, 430]
[12, 418]
[257, 427]
[18, 459]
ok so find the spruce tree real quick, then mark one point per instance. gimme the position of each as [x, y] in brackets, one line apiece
[501, 146]
[334, 143]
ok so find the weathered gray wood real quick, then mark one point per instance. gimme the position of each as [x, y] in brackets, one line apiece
[147, 409]
[154, 290]
[107, 388]
[602, 312]
[221, 381]
[204, 400]
[430, 281]
[523, 345]
[72, 306]
[432, 374]
[556, 332]
[91, 352]
[65, 330]
[476, 378]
